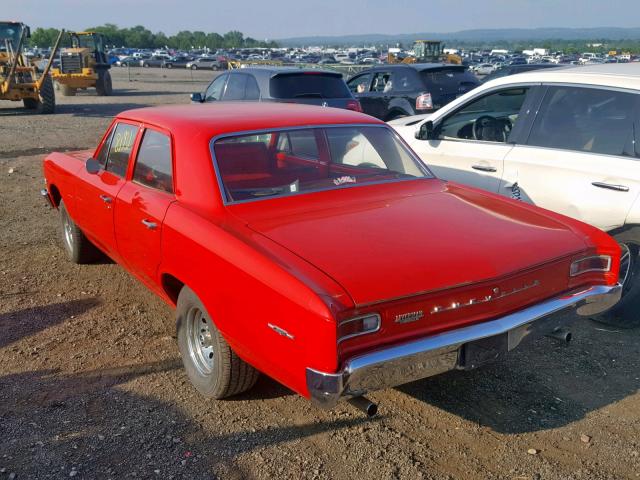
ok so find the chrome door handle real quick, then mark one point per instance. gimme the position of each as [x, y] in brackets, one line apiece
[484, 168]
[610, 186]
[106, 198]
[149, 224]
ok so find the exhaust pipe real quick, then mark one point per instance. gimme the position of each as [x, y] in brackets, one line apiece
[365, 405]
[561, 335]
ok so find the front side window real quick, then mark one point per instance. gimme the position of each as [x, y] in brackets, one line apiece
[124, 136]
[360, 84]
[490, 118]
[304, 160]
[214, 91]
[153, 165]
[587, 120]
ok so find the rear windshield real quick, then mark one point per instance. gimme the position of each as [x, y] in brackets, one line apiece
[308, 85]
[448, 79]
[278, 163]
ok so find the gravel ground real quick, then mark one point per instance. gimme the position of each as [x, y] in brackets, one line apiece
[91, 384]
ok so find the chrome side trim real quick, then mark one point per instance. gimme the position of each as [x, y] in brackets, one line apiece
[453, 349]
[280, 331]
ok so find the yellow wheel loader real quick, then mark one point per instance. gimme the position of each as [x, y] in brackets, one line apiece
[18, 79]
[84, 64]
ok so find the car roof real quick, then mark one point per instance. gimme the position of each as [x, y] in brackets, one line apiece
[212, 119]
[620, 75]
[269, 70]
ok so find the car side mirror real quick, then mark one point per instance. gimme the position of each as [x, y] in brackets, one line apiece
[92, 166]
[197, 97]
[426, 131]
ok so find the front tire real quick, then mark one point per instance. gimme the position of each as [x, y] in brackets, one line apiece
[104, 87]
[213, 368]
[626, 313]
[77, 246]
[46, 101]
[194, 67]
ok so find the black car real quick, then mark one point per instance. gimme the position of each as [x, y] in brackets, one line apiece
[177, 62]
[280, 84]
[513, 69]
[393, 91]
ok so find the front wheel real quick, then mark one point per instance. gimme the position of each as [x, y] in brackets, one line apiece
[626, 313]
[194, 67]
[213, 368]
[104, 87]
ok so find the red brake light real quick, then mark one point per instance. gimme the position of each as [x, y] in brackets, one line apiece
[358, 326]
[424, 102]
[354, 105]
[595, 263]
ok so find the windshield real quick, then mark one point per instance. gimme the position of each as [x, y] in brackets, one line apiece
[9, 36]
[308, 85]
[288, 162]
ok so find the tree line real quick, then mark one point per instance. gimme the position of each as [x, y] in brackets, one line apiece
[141, 37]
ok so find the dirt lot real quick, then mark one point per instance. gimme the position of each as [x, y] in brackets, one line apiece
[91, 384]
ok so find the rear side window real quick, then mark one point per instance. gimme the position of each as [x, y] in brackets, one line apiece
[153, 166]
[308, 85]
[449, 80]
[587, 120]
[120, 148]
[235, 87]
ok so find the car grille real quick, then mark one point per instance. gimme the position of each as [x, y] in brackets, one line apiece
[71, 63]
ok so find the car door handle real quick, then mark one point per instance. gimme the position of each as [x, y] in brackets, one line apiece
[610, 186]
[484, 168]
[149, 224]
[106, 198]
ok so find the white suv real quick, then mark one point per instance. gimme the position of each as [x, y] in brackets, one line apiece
[564, 139]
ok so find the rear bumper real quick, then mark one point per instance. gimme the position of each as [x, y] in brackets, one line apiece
[463, 348]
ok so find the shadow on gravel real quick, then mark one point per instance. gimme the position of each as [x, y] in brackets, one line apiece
[547, 386]
[52, 422]
[23, 323]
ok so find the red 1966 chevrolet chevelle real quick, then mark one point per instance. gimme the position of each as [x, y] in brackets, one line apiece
[311, 244]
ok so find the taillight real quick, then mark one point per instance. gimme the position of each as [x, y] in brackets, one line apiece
[354, 105]
[424, 102]
[354, 327]
[594, 263]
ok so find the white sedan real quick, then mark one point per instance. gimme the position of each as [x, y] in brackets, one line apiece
[567, 140]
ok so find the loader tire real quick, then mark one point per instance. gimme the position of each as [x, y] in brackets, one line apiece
[104, 87]
[46, 102]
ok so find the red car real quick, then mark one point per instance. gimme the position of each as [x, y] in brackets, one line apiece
[312, 244]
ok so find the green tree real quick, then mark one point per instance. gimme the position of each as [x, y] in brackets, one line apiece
[43, 37]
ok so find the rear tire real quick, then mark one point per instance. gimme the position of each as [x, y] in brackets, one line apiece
[67, 91]
[626, 313]
[78, 247]
[104, 87]
[213, 368]
[194, 67]
[46, 102]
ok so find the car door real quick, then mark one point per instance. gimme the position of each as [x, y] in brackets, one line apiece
[580, 158]
[379, 94]
[471, 142]
[96, 193]
[142, 203]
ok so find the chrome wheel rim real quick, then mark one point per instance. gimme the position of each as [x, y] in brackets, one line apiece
[626, 267]
[68, 231]
[200, 341]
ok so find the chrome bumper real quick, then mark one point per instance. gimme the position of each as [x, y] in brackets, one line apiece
[463, 348]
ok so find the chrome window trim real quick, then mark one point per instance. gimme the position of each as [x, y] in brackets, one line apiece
[221, 188]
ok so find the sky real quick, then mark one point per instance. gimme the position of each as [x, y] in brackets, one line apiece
[274, 19]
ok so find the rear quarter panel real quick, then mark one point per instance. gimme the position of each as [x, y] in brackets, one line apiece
[244, 291]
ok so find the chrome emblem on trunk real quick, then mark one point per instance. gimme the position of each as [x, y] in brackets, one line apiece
[496, 294]
[409, 317]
